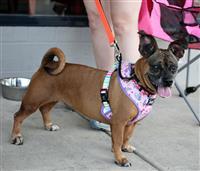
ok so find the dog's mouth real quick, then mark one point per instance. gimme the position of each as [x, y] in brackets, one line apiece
[164, 91]
[163, 88]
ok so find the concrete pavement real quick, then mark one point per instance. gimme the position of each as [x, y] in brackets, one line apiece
[168, 138]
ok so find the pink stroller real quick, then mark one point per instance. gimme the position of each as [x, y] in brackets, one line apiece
[170, 20]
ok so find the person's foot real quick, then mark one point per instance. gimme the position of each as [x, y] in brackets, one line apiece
[99, 126]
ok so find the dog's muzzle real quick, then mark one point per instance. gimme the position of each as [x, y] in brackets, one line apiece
[167, 83]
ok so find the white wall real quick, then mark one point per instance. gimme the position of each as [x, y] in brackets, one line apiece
[22, 48]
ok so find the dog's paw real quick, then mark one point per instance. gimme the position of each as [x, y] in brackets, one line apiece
[123, 163]
[129, 149]
[17, 140]
[52, 127]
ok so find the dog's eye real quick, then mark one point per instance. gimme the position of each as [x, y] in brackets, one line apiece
[173, 69]
[156, 68]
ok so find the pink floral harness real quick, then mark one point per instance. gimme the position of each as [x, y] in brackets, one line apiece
[142, 99]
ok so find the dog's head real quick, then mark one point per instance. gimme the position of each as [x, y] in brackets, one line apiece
[163, 63]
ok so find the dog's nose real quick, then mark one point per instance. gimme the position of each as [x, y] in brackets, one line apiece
[167, 83]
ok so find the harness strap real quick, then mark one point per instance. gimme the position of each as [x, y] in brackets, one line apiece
[106, 83]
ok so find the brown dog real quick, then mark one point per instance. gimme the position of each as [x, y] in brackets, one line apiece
[79, 86]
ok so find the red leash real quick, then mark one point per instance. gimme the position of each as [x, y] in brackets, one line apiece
[108, 30]
[111, 39]
[104, 20]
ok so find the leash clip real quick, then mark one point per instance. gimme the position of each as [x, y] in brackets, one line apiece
[117, 52]
[151, 101]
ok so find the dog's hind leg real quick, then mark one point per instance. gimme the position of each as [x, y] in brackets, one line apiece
[45, 111]
[128, 131]
[23, 113]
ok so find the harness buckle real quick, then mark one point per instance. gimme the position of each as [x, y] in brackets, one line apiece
[151, 101]
[104, 95]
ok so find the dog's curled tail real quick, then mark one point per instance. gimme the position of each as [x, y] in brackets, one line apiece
[51, 66]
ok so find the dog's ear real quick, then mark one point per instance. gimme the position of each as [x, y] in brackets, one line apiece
[178, 47]
[147, 44]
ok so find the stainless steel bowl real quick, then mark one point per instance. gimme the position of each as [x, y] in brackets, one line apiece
[14, 88]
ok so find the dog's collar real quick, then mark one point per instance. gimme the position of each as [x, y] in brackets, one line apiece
[138, 82]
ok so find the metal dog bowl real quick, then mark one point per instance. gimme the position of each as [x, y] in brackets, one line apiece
[14, 88]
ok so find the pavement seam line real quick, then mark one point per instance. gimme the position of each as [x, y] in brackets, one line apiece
[1, 102]
[140, 155]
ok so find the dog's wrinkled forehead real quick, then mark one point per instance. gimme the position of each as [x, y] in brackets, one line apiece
[163, 57]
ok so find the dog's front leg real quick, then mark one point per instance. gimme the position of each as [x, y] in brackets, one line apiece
[117, 141]
[128, 131]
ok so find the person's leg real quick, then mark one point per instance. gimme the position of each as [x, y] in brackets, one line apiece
[104, 54]
[124, 16]
[32, 5]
